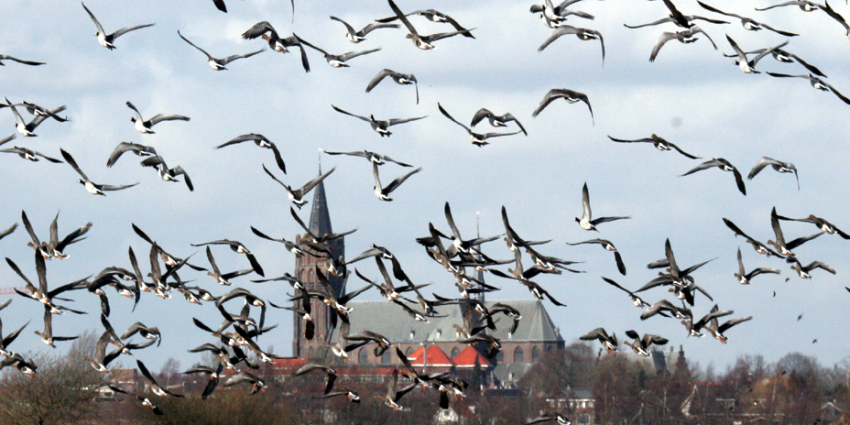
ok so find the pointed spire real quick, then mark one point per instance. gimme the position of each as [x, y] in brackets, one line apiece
[320, 217]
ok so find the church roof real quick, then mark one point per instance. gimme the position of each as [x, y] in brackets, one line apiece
[320, 218]
[466, 358]
[395, 324]
[435, 356]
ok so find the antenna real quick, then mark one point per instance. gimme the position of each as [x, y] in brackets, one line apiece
[320, 161]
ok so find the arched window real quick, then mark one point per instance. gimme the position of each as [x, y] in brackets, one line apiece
[519, 356]
[387, 357]
[455, 352]
[535, 354]
[363, 356]
[408, 352]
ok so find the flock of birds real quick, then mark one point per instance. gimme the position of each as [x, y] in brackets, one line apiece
[240, 329]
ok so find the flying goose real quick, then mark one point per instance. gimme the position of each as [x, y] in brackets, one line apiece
[290, 246]
[383, 192]
[554, 16]
[260, 141]
[214, 375]
[677, 18]
[804, 272]
[276, 43]
[641, 345]
[779, 166]
[785, 56]
[297, 196]
[581, 33]
[781, 246]
[355, 36]
[685, 37]
[215, 63]
[8, 339]
[586, 221]
[239, 248]
[139, 150]
[744, 277]
[659, 143]
[27, 129]
[28, 154]
[144, 127]
[6, 57]
[330, 373]
[748, 65]
[399, 78]
[723, 165]
[636, 300]
[804, 5]
[165, 173]
[41, 293]
[621, 267]
[378, 125]
[107, 40]
[477, 139]
[424, 42]
[758, 246]
[717, 331]
[609, 341]
[314, 237]
[747, 23]
[101, 360]
[55, 247]
[145, 332]
[816, 83]
[151, 382]
[822, 224]
[568, 95]
[223, 279]
[47, 336]
[393, 396]
[371, 156]
[433, 16]
[339, 61]
[495, 120]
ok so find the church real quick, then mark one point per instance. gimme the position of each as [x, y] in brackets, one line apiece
[535, 335]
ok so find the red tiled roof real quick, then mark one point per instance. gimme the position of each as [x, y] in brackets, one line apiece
[466, 358]
[435, 356]
[289, 363]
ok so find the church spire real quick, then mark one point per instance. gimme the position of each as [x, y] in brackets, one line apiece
[320, 217]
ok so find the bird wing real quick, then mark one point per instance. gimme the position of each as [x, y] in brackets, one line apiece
[763, 162]
[193, 45]
[159, 118]
[70, 160]
[258, 30]
[658, 22]
[109, 187]
[25, 62]
[123, 31]
[682, 152]
[550, 96]
[371, 27]
[446, 114]
[400, 15]
[350, 114]
[348, 27]
[835, 92]
[378, 78]
[620, 265]
[351, 55]
[232, 58]
[566, 29]
[704, 166]
[585, 202]
[99, 27]
[311, 184]
[394, 121]
[741, 55]
[398, 181]
[715, 10]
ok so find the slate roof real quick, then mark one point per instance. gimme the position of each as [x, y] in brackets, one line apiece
[320, 217]
[396, 325]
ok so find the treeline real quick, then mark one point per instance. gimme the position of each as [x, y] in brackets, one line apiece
[625, 389]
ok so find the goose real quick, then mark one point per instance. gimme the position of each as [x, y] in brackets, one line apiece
[107, 40]
[805, 271]
[330, 373]
[214, 374]
[28, 154]
[101, 360]
[47, 336]
[748, 65]
[566, 94]
[41, 293]
[165, 173]
[399, 78]
[586, 221]
[219, 64]
[744, 277]
[779, 166]
[250, 299]
[581, 33]
[781, 246]
[374, 251]
[685, 37]
[144, 127]
[477, 139]
[641, 345]
[27, 367]
[352, 396]
[433, 16]
[8, 339]
[39, 247]
[239, 248]
[297, 196]
[609, 341]
[723, 165]
[553, 16]
[816, 83]
[495, 120]
[168, 259]
[380, 126]
[383, 192]
[393, 396]
[355, 36]
[747, 23]
[327, 237]
[549, 416]
[694, 328]
[139, 150]
[423, 42]
[290, 246]
[276, 43]
[636, 300]
[758, 246]
[28, 129]
[717, 331]
[621, 267]
[371, 156]
[25, 62]
[151, 382]
[785, 56]
[55, 247]
[145, 332]
[339, 61]
[659, 143]
[260, 141]
[822, 224]
[804, 5]
[660, 307]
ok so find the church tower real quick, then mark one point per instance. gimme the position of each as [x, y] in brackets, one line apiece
[305, 272]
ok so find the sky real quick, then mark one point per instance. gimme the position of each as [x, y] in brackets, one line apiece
[691, 95]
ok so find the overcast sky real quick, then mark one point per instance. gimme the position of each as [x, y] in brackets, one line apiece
[691, 95]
